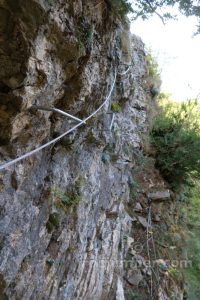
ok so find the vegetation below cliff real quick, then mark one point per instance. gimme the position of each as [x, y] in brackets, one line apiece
[176, 138]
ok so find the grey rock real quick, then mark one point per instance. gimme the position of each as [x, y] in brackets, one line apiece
[134, 277]
[140, 260]
[120, 290]
[138, 207]
[143, 222]
[159, 195]
[129, 241]
[157, 218]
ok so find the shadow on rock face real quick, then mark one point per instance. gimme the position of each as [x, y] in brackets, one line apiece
[9, 106]
[2, 288]
[19, 22]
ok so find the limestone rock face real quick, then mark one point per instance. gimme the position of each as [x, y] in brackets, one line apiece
[62, 211]
[159, 195]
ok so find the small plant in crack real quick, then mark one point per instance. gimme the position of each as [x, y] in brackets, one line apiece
[133, 186]
[116, 107]
[53, 222]
[71, 197]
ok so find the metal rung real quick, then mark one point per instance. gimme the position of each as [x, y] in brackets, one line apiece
[112, 121]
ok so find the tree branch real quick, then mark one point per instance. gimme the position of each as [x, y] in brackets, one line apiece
[154, 11]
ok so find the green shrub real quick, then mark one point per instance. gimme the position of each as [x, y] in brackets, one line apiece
[53, 222]
[50, 262]
[71, 197]
[176, 138]
[131, 294]
[109, 154]
[121, 7]
[153, 73]
[191, 224]
[153, 67]
[116, 107]
[133, 186]
[50, 2]
[84, 34]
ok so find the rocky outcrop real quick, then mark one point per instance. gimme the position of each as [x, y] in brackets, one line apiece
[64, 218]
[159, 195]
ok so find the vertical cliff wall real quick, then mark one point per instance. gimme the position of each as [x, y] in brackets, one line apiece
[64, 220]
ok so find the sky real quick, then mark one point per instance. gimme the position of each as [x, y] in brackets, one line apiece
[177, 52]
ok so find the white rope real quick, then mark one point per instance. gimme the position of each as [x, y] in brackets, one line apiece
[58, 111]
[124, 73]
[12, 162]
[66, 114]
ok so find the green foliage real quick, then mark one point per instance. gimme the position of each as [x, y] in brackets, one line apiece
[53, 222]
[176, 138]
[164, 96]
[142, 161]
[109, 154]
[50, 2]
[84, 33]
[190, 220]
[146, 8]
[192, 273]
[131, 294]
[121, 7]
[134, 187]
[116, 107]
[114, 157]
[79, 184]
[109, 157]
[154, 73]
[71, 197]
[50, 262]
[174, 273]
[153, 67]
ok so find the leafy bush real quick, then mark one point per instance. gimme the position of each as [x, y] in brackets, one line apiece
[176, 138]
[84, 34]
[53, 222]
[146, 8]
[153, 73]
[153, 67]
[62, 198]
[121, 7]
[116, 107]
[190, 221]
